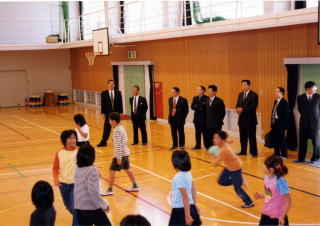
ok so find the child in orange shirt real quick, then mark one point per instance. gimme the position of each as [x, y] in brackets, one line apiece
[64, 167]
[232, 173]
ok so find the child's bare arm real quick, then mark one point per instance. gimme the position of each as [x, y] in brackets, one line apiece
[194, 193]
[258, 195]
[186, 205]
[286, 207]
[216, 161]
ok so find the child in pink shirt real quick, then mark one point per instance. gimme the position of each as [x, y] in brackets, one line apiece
[277, 200]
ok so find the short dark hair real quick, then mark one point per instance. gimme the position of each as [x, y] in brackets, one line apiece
[42, 195]
[246, 81]
[79, 119]
[86, 155]
[222, 134]
[203, 88]
[176, 89]
[66, 134]
[281, 89]
[134, 220]
[181, 160]
[111, 80]
[213, 87]
[276, 162]
[137, 87]
[114, 116]
[309, 84]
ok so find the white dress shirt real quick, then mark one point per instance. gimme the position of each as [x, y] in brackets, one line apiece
[135, 102]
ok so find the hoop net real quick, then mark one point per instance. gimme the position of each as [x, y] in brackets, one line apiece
[91, 56]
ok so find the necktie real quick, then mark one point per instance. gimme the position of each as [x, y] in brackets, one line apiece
[112, 99]
[310, 98]
[244, 96]
[135, 107]
[211, 100]
[174, 107]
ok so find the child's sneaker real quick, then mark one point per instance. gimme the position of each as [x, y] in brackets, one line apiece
[133, 189]
[247, 205]
[107, 193]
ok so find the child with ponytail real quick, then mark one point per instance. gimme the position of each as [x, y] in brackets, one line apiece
[277, 200]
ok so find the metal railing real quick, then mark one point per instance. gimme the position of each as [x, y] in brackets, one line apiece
[136, 17]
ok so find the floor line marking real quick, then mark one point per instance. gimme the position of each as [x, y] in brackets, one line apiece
[200, 193]
[21, 134]
[37, 170]
[42, 127]
[17, 142]
[209, 175]
[15, 169]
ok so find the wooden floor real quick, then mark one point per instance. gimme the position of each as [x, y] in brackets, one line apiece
[29, 139]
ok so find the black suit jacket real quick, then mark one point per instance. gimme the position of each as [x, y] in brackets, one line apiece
[106, 106]
[309, 111]
[141, 109]
[283, 113]
[200, 109]
[215, 113]
[248, 117]
[182, 110]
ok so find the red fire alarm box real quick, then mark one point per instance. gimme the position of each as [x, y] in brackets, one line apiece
[158, 99]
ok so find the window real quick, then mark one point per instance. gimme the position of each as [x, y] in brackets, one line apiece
[312, 3]
[215, 10]
[93, 17]
[143, 16]
[251, 8]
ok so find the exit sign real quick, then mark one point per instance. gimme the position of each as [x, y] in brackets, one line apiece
[132, 54]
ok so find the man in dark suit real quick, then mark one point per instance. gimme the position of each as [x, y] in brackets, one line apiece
[200, 116]
[111, 101]
[246, 108]
[280, 122]
[216, 112]
[139, 107]
[309, 126]
[178, 111]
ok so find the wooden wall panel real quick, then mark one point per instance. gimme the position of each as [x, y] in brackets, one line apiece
[221, 59]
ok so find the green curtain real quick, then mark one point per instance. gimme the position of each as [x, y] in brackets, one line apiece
[197, 16]
[133, 75]
[310, 73]
[65, 14]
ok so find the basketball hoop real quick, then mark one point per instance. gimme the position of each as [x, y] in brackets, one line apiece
[91, 56]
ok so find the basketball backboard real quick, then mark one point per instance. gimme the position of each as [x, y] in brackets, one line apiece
[100, 38]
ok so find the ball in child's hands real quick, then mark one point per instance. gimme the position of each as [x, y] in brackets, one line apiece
[214, 150]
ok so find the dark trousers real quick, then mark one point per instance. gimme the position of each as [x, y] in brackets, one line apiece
[142, 126]
[279, 140]
[66, 191]
[177, 217]
[210, 134]
[248, 132]
[234, 178]
[79, 143]
[200, 128]
[304, 135]
[106, 130]
[177, 128]
[92, 217]
[268, 221]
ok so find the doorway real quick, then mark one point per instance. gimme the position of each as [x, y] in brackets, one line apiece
[13, 88]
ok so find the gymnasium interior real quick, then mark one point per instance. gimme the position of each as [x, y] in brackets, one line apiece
[56, 58]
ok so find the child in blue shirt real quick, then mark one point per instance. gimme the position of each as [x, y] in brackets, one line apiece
[183, 196]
